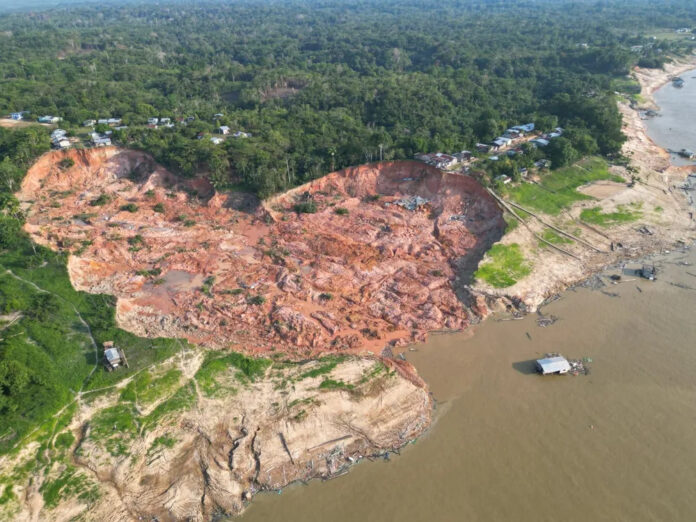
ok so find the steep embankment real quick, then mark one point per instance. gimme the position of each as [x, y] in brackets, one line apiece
[635, 218]
[380, 259]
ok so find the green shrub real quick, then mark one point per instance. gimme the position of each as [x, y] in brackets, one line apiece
[103, 199]
[256, 300]
[129, 207]
[305, 207]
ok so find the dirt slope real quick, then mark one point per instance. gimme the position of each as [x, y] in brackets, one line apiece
[225, 270]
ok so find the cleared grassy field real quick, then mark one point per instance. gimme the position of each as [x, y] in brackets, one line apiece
[623, 214]
[558, 189]
[504, 267]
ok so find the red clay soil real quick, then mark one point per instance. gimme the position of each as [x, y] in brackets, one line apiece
[225, 270]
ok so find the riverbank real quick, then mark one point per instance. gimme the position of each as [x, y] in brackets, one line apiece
[238, 275]
[611, 446]
[654, 212]
[652, 79]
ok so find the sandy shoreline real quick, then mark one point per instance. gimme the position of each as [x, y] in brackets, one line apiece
[652, 79]
[657, 192]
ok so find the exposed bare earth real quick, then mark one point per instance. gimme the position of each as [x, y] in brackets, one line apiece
[657, 196]
[226, 271]
[378, 274]
[240, 436]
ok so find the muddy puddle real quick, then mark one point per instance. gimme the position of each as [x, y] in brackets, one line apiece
[175, 281]
[508, 444]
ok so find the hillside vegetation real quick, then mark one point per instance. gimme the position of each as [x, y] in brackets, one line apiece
[323, 85]
[50, 335]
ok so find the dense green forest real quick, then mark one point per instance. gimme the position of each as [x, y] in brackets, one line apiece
[321, 84]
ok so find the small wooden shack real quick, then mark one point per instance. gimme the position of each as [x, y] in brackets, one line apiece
[113, 357]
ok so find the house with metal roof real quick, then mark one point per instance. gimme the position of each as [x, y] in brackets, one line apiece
[549, 365]
[539, 142]
[113, 356]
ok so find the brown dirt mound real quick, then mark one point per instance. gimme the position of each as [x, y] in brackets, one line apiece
[224, 270]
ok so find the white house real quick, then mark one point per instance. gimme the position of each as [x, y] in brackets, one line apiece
[58, 134]
[216, 140]
[501, 141]
[224, 130]
[100, 140]
[551, 365]
[49, 119]
[539, 142]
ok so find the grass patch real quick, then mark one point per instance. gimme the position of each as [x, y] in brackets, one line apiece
[626, 85]
[554, 238]
[558, 189]
[211, 372]
[69, 484]
[377, 369]
[305, 207]
[163, 441]
[320, 370]
[595, 216]
[510, 223]
[505, 266]
[130, 207]
[114, 428]
[183, 399]
[256, 300]
[103, 199]
[64, 440]
[330, 384]
[144, 390]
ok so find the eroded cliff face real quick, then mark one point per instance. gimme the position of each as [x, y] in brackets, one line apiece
[244, 437]
[382, 260]
[203, 436]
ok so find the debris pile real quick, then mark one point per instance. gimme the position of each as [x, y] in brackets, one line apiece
[412, 202]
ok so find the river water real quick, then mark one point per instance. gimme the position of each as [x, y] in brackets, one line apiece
[674, 128]
[509, 445]
[616, 445]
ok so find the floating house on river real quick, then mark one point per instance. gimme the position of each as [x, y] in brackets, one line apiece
[549, 365]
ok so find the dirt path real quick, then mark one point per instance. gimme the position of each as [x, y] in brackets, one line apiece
[658, 187]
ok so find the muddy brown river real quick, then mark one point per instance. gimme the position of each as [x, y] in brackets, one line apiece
[616, 445]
